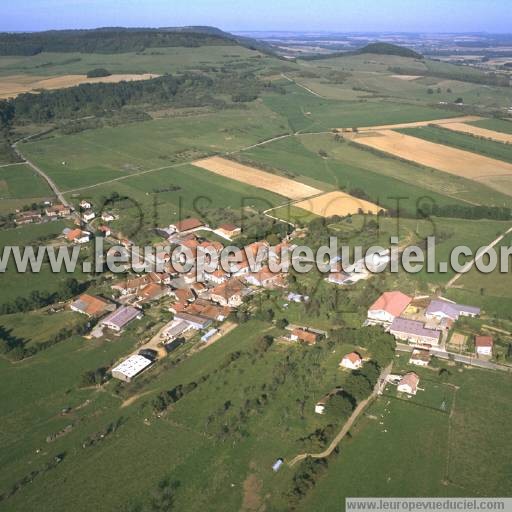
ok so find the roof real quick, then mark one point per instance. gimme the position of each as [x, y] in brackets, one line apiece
[122, 316]
[187, 224]
[409, 379]
[420, 355]
[176, 328]
[90, 305]
[228, 227]
[193, 319]
[413, 327]
[152, 291]
[74, 234]
[304, 335]
[483, 341]
[392, 302]
[353, 357]
[450, 309]
[228, 289]
[132, 366]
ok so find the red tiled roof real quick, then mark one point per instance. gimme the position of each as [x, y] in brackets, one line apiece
[391, 302]
[187, 224]
[307, 336]
[483, 341]
[353, 357]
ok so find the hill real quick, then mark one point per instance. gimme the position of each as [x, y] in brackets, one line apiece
[120, 40]
[389, 49]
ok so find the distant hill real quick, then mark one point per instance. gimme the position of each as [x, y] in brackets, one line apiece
[389, 49]
[121, 40]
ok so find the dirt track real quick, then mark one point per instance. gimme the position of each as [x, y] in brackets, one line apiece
[337, 203]
[257, 178]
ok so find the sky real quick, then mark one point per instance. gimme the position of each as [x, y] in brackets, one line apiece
[273, 15]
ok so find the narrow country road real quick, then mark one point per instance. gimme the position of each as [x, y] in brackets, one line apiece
[348, 424]
[302, 86]
[48, 180]
[477, 257]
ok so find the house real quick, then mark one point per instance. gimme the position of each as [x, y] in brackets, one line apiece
[108, 217]
[409, 383]
[91, 306]
[216, 277]
[135, 284]
[308, 337]
[229, 293]
[195, 321]
[208, 309]
[153, 291]
[88, 215]
[351, 361]
[186, 225]
[388, 306]
[413, 331]
[229, 230]
[440, 309]
[259, 250]
[104, 231]
[131, 367]
[265, 278]
[27, 217]
[85, 205]
[121, 318]
[340, 278]
[420, 357]
[58, 210]
[483, 345]
[78, 236]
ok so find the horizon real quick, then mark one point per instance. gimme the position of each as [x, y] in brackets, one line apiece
[398, 16]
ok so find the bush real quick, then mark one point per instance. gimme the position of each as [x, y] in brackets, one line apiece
[98, 72]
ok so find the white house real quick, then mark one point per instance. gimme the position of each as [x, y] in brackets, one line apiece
[420, 357]
[388, 306]
[85, 205]
[88, 215]
[351, 361]
[483, 345]
[409, 383]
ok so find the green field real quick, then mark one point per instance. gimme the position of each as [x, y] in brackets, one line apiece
[20, 186]
[484, 147]
[498, 125]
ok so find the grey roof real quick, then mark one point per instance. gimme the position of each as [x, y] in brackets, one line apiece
[450, 309]
[122, 316]
[413, 327]
[193, 319]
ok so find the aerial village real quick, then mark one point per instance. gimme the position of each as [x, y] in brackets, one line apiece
[204, 310]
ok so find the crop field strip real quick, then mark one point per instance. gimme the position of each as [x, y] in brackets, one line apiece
[479, 132]
[488, 171]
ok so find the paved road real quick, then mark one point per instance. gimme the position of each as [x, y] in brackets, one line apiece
[460, 358]
[50, 182]
[348, 424]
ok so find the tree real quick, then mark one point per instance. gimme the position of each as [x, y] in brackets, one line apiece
[340, 406]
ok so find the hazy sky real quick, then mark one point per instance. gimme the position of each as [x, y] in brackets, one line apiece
[339, 15]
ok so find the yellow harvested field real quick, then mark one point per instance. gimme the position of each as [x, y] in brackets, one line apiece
[494, 173]
[337, 203]
[479, 132]
[407, 77]
[257, 178]
[11, 86]
[416, 124]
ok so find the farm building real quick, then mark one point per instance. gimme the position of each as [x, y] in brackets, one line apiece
[88, 215]
[91, 306]
[77, 236]
[265, 278]
[229, 230]
[387, 307]
[420, 357]
[153, 291]
[414, 332]
[303, 335]
[229, 293]
[483, 345]
[186, 225]
[121, 318]
[195, 321]
[58, 210]
[175, 329]
[409, 383]
[351, 361]
[443, 309]
[130, 368]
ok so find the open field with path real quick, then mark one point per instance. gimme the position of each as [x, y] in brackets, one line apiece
[337, 203]
[479, 132]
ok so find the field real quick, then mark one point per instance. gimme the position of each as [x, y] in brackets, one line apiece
[416, 124]
[488, 171]
[454, 138]
[418, 451]
[337, 203]
[480, 132]
[498, 125]
[20, 186]
[11, 86]
[257, 178]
